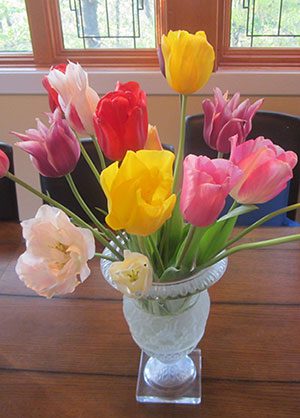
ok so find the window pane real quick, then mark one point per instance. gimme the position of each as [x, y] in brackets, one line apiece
[108, 23]
[265, 23]
[14, 30]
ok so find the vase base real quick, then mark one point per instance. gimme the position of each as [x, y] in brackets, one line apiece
[189, 393]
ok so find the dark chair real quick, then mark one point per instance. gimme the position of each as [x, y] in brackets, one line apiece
[283, 130]
[86, 183]
[8, 205]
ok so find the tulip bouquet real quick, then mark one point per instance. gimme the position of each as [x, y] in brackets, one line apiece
[163, 220]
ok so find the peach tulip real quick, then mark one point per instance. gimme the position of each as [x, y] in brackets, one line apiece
[133, 276]
[206, 184]
[266, 169]
[56, 253]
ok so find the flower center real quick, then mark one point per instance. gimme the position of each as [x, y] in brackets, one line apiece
[133, 275]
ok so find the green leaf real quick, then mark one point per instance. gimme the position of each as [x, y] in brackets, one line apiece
[214, 239]
[237, 212]
[172, 274]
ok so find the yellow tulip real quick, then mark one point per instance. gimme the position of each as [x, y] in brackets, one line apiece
[188, 60]
[139, 191]
[133, 276]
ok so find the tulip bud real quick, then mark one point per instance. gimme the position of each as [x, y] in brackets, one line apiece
[54, 151]
[153, 141]
[52, 93]
[225, 118]
[133, 276]
[121, 121]
[188, 60]
[4, 164]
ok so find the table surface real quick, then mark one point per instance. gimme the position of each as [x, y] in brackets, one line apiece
[73, 356]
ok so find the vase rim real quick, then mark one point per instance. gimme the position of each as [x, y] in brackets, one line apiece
[197, 282]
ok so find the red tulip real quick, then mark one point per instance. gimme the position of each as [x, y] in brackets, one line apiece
[225, 118]
[266, 169]
[52, 93]
[55, 151]
[4, 163]
[121, 121]
[206, 184]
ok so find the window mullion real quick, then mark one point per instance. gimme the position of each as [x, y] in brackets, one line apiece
[43, 35]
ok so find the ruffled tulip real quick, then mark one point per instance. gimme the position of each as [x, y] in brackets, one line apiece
[188, 60]
[266, 169]
[225, 118]
[206, 184]
[153, 141]
[52, 93]
[121, 121]
[56, 253]
[54, 151]
[77, 99]
[139, 191]
[4, 164]
[133, 276]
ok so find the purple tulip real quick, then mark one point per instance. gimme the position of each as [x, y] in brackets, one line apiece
[225, 118]
[54, 151]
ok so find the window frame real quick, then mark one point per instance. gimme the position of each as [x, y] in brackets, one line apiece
[48, 49]
[213, 17]
[229, 57]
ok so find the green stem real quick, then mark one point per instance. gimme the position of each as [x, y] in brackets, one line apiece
[179, 157]
[183, 250]
[156, 252]
[89, 161]
[106, 257]
[220, 154]
[99, 152]
[260, 222]
[76, 219]
[249, 246]
[109, 235]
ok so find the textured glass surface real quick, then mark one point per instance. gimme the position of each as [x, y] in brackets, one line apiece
[265, 23]
[14, 29]
[167, 325]
[119, 24]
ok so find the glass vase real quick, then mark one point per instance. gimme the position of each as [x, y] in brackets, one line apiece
[167, 325]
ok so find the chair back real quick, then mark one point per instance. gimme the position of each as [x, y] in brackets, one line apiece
[281, 128]
[8, 201]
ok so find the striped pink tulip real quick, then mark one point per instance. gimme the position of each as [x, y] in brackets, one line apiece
[266, 169]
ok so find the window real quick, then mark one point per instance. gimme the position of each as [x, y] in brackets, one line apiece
[244, 33]
[96, 32]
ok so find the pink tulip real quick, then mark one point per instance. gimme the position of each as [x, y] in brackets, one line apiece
[266, 169]
[54, 151]
[225, 118]
[75, 97]
[206, 184]
[4, 163]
